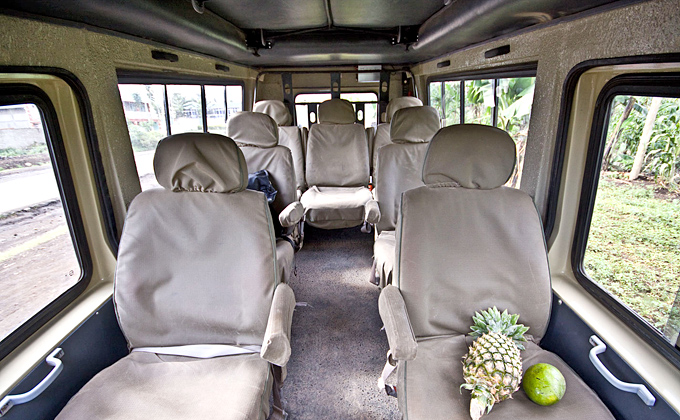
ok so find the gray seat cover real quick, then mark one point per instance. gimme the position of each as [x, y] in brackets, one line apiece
[466, 243]
[196, 265]
[258, 137]
[289, 136]
[382, 131]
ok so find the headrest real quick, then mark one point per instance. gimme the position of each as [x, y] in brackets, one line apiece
[200, 162]
[336, 111]
[416, 124]
[253, 129]
[275, 109]
[474, 156]
[398, 103]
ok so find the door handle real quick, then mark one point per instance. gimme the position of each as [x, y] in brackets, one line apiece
[57, 366]
[638, 389]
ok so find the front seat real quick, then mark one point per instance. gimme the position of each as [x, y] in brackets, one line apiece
[467, 243]
[290, 136]
[337, 169]
[399, 168]
[382, 131]
[196, 294]
[258, 137]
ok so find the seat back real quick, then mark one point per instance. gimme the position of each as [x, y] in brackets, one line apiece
[382, 131]
[257, 136]
[196, 262]
[337, 149]
[465, 242]
[289, 136]
[400, 164]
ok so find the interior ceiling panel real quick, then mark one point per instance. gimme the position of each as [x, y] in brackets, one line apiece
[274, 16]
[298, 32]
[383, 13]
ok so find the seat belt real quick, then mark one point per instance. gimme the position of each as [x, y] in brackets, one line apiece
[390, 365]
[200, 351]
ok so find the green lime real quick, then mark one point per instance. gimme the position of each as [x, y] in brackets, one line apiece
[544, 384]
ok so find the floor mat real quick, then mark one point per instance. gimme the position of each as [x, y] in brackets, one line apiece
[338, 350]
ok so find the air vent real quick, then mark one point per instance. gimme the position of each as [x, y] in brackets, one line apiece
[505, 49]
[222, 67]
[443, 64]
[165, 56]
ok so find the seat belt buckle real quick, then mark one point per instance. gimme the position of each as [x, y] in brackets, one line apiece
[391, 390]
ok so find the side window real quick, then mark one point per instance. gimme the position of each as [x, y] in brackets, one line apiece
[503, 102]
[632, 251]
[39, 262]
[154, 111]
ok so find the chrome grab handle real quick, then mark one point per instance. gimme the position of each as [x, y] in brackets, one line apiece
[638, 389]
[57, 366]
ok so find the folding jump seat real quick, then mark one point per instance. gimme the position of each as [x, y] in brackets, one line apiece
[197, 296]
[258, 137]
[466, 243]
[382, 131]
[399, 168]
[337, 170]
[290, 136]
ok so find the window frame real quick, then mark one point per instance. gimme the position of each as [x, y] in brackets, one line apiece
[516, 71]
[638, 84]
[15, 94]
[153, 78]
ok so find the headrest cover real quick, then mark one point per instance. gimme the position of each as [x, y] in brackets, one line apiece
[474, 156]
[416, 124]
[336, 111]
[398, 103]
[253, 129]
[200, 162]
[275, 109]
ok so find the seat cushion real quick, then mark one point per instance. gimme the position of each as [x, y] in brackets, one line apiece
[335, 207]
[429, 385]
[383, 251]
[146, 386]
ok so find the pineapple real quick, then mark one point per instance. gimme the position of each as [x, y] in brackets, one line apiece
[492, 369]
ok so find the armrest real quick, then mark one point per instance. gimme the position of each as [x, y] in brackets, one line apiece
[276, 343]
[371, 212]
[292, 214]
[400, 335]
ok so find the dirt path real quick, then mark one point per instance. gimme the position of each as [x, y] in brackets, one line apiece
[37, 263]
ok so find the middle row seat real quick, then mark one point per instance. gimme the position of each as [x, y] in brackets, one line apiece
[399, 168]
[257, 135]
[337, 169]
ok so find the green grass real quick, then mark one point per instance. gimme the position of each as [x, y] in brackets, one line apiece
[34, 149]
[634, 248]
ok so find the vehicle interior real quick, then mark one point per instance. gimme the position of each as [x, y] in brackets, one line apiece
[265, 210]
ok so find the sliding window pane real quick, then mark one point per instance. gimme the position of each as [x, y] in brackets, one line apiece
[144, 107]
[234, 100]
[216, 107]
[452, 102]
[515, 98]
[479, 102]
[435, 96]
[185, 108]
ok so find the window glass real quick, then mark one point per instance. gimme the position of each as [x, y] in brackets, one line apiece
[451, 111]
[514, 97]
[310, 98]
[216, 106]
[360, 97]
[632, 249]
[185, 108]
[369, 99]
[147, 114]
[38, 262]
[479, 102]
